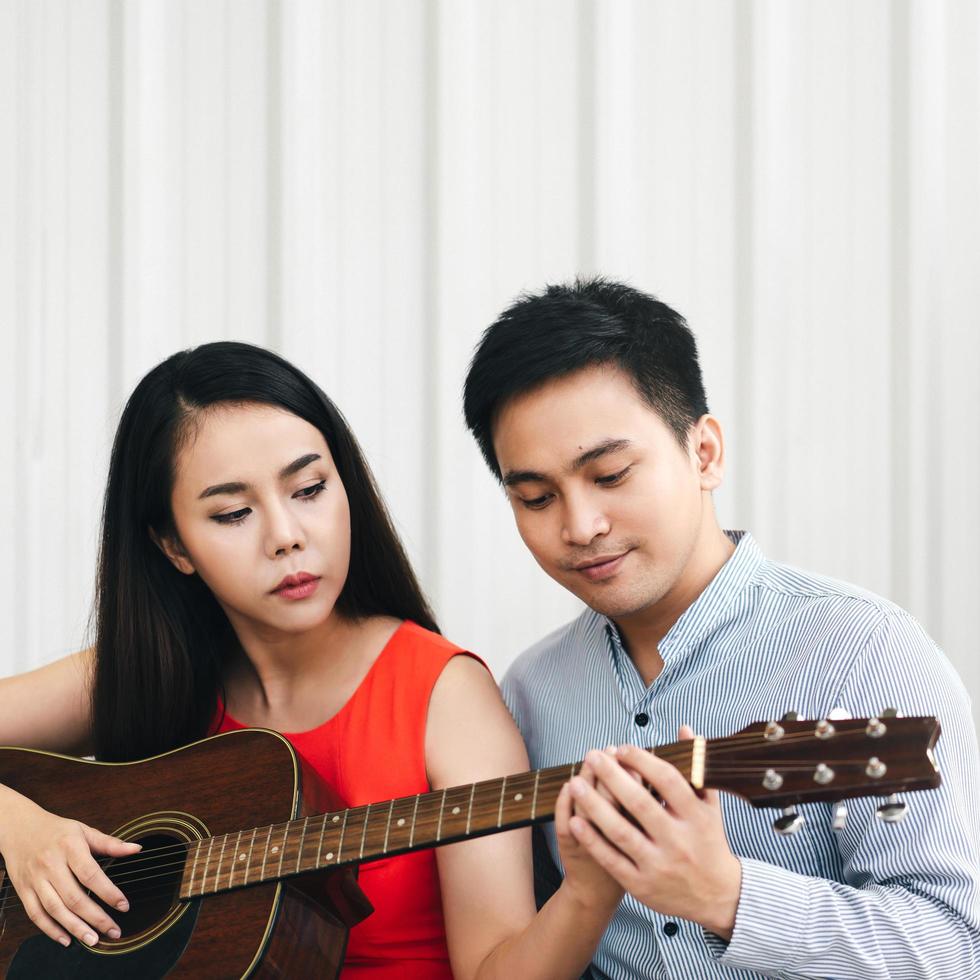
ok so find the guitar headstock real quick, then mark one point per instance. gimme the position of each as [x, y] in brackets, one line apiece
[779, 764]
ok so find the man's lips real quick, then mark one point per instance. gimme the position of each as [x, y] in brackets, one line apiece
[605, 566]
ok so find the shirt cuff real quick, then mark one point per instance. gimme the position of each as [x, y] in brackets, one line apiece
[770, 920]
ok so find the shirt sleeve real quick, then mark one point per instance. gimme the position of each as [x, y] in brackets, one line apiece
[909, 902]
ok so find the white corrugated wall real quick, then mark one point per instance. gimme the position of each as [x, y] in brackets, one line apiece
[363, 185]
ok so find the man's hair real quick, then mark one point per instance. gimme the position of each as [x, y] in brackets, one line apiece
[569, 327]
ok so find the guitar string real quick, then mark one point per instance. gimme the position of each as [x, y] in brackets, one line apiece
[671, 752]
[680, 752]
[133, 875]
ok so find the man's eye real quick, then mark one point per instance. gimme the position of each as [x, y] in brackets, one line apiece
[536, 503]
[235, 517]
[613, 478]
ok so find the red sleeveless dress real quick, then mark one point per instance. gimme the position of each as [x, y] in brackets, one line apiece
[374, 749]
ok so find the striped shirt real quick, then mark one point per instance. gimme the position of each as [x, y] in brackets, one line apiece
[874, 900]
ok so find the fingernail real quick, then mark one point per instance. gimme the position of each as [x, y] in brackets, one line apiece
[611, 749]
[113, 933]
[123, 906]
[90, 938]
[65, 941]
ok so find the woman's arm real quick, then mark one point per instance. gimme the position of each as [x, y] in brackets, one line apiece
[488, 897]
[50, 708]
[48, 858]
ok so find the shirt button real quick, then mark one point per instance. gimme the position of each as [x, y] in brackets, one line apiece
[671, 928]
[641, 719]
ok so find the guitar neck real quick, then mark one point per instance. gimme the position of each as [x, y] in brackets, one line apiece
[366, 833]
[768, 764]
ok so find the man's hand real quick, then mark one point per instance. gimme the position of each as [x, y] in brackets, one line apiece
[584, 878]
[675, 858]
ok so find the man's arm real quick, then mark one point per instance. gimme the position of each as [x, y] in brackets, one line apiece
[909, 902]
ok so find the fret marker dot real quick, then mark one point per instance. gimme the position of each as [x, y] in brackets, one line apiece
[330, 856]
[518, 796]
[241, 857]
[336, 819]
[401, 821]
[455, 810]
[275, 850]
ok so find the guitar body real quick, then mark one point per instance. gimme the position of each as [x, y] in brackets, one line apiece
[291, 928]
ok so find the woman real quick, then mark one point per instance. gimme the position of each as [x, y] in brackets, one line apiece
[249, 575]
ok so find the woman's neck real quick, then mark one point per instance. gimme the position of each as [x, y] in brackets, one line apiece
[295, 682]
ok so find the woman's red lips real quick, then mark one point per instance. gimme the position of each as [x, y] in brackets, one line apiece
[297, 586]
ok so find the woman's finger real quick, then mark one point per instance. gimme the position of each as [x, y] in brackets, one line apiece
[36, 913]
[55, 906]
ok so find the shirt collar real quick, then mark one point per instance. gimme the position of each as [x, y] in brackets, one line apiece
[710, 608]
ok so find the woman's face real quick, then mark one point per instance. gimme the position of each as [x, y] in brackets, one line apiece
[262, 517]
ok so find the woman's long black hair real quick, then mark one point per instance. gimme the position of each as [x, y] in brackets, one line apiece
[161, 636]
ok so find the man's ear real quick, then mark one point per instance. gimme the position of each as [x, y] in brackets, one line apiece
[708, 443]
[170, 545]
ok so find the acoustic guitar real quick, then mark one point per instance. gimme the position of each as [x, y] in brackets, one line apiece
[248, 862]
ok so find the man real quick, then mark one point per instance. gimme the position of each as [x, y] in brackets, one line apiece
[588, 405]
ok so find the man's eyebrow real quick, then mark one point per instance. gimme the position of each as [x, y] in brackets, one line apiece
[604, 448]
[238, 487]
[513, 477]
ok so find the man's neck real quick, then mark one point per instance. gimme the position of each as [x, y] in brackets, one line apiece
[643, 632]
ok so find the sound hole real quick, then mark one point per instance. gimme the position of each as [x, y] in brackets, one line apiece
[150, 880]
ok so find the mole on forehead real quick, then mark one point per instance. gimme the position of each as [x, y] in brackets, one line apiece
[603, 448]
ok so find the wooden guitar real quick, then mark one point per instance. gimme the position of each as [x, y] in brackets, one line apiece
[248, 862]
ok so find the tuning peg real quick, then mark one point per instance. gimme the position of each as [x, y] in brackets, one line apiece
[840, 816]
[893, 810]
[791, 716]
[789, 823]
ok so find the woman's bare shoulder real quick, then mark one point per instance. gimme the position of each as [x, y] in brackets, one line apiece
[50, 707]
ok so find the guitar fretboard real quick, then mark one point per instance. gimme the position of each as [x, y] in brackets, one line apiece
[366, 833]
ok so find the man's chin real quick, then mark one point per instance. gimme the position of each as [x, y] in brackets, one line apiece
[614, 606]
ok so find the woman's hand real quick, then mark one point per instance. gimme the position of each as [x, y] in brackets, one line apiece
[585, 879]
[50, 864]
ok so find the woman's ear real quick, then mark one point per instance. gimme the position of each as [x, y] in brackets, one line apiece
[170, 545]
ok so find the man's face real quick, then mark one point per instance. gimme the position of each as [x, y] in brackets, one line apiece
[609, 503]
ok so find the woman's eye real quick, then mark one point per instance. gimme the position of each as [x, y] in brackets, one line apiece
[235, 517]
[308, 493]
[613, 478]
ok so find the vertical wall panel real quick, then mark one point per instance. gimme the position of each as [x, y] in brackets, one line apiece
[364, 186]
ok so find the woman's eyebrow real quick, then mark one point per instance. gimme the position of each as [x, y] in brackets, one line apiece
[238, 487]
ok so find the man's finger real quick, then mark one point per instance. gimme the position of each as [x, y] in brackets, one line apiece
[663, 777]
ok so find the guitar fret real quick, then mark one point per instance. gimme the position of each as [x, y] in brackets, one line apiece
[248, 861]
[221, 857]
[367, 813]
[234, 860]
[302, 838]
[415, 810]
[319, 847]
[207, 865]
[534, 801]
[441, 808]
[343, 828]
[282, 849]
[500, 810]
[197, 855]
[469, 809]
[265, 853]
[384, 850]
